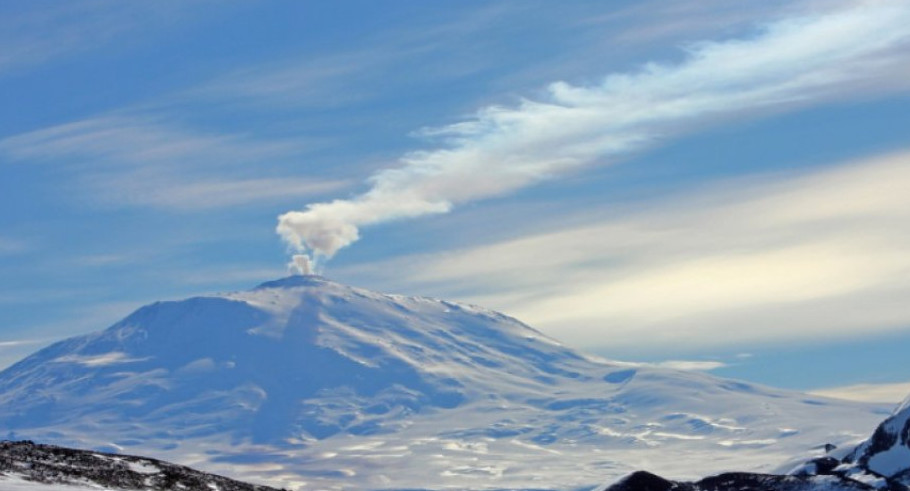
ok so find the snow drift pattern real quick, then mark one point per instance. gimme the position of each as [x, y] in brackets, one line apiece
[305, 381]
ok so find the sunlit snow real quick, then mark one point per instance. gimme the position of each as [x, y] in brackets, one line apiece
[305, 383]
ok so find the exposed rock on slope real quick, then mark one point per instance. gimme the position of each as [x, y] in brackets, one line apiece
[28, 462]
[738, 481]
[880, 463]
[887, 451]
[306, 382]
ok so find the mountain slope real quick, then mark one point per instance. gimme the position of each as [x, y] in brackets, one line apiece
[306, 382]
[259, 353]
[887, 451]
[29, 466]
[881, 463]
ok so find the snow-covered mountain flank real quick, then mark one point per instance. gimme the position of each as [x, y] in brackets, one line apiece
[306, 383]
[880, 463]
[887, 452]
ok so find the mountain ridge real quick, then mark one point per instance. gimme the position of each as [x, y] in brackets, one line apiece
[302, 381]
[879, 463]
[38, 467]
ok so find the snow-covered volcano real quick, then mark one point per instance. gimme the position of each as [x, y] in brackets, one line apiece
[295, 359]
[306, 382]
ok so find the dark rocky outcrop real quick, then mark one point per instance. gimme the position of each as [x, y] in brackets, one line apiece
[743, 481]
[59, 465]
[881, 463]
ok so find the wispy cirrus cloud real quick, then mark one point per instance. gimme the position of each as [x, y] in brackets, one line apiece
[19, 342]
[324, 81]
[650, 21]
[174, 193]
[13, 350]
[767, 258]
[123, 141]
[691, 365]
[850, 52]
[76, 319]
[346, 75]
[10, 246]
[35, 33]
[145, 161]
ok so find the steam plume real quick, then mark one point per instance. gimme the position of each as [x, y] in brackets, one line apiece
[793, 62]
[302, 264]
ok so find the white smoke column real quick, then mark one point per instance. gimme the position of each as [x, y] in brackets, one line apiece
[302, 263]
[848, 53]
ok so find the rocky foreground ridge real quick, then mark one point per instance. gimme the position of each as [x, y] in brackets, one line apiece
[882, 462]
[29, 462]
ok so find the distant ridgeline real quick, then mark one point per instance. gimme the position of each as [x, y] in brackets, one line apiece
[882, 462]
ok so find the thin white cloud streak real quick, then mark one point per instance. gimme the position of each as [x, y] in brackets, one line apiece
[102, 260]
[346, 77]
[80, 319]
[868, 392]
[170, 193]
[20, 342]
[12, 246]
[649, 21]
[135, 141]
[691, 365]
[14, 350]
[34, 37]
[34, 33]
[766, 259]
[320, 82]
[142, 161]
[848, 53]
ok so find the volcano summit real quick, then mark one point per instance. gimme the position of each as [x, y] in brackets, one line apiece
[310, 384]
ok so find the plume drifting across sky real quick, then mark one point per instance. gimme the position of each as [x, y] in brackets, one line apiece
[815, 256]
[793, 62]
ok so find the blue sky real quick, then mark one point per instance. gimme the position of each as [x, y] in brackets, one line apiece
[726, 183]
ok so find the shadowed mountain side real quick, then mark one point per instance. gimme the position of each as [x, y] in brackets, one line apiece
[303, 381]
